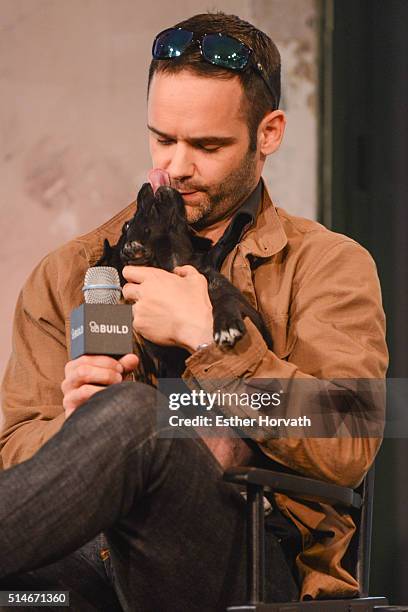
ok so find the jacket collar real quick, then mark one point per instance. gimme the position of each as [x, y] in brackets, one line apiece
[267, 236]
[240, 222]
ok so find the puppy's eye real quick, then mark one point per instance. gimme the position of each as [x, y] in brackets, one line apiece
[126, 226]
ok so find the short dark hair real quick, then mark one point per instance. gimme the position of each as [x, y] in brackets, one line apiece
[257, 98]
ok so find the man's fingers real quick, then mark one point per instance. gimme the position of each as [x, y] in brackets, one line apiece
[129, 362]
[138, 274]
[131, 292]
[85, 373]
[95, 375]
[101, 361]
[96, 369]
[77, 397]
[89, 374]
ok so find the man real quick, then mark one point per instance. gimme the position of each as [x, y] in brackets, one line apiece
[174, 530]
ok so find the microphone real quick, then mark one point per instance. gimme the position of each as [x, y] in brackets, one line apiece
[101, 326]
[102, 286]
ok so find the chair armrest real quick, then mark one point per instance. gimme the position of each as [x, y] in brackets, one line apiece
[296, 486]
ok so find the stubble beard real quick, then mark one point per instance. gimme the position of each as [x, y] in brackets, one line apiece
[217, 201]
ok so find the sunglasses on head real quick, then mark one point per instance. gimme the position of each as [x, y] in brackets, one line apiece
[218, 49]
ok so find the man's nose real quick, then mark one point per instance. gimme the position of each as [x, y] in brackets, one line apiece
[181, 164]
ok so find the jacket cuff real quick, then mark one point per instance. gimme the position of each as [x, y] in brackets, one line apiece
[217, 363]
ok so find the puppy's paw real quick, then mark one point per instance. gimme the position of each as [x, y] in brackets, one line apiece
[228, 330]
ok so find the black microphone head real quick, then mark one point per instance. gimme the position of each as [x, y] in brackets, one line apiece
[102, 286]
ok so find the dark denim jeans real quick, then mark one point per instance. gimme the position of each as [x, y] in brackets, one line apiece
[107, 480]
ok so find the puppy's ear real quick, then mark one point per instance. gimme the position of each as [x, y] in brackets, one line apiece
[145, 198]
[165, 192]
[106, 257]
[170, 202]
[106, 248]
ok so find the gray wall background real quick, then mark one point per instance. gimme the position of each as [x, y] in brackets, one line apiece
[73, 145]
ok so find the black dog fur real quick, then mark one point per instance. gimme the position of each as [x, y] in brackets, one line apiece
[158, 235]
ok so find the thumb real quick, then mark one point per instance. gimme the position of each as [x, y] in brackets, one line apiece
[129, 362]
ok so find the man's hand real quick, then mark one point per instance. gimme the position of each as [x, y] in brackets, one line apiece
[89, 374]
[171, 309]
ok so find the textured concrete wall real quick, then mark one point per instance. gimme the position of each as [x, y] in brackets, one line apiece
[73, 147]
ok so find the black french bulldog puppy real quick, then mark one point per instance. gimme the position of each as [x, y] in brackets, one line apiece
[159, 235]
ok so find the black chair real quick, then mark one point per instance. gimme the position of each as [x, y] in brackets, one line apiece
[360, 504]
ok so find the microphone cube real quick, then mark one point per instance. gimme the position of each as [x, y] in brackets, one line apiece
[101, 329]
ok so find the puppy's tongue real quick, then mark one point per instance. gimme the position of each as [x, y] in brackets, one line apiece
[157, 178]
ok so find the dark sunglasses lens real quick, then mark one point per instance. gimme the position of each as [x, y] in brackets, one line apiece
[225, 51]
[171, 43]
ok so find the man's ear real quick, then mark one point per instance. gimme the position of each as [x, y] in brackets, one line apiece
[270, 132]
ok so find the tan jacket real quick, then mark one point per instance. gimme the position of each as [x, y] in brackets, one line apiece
[319, 294]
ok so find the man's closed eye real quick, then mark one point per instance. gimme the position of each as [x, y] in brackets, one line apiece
[206, 148]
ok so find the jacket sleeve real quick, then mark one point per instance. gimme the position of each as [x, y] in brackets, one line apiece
[337, 326]
[31, 393]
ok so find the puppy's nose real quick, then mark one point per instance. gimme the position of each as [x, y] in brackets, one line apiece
[133, 249]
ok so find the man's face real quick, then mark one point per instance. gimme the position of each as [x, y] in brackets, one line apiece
[198, 133]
